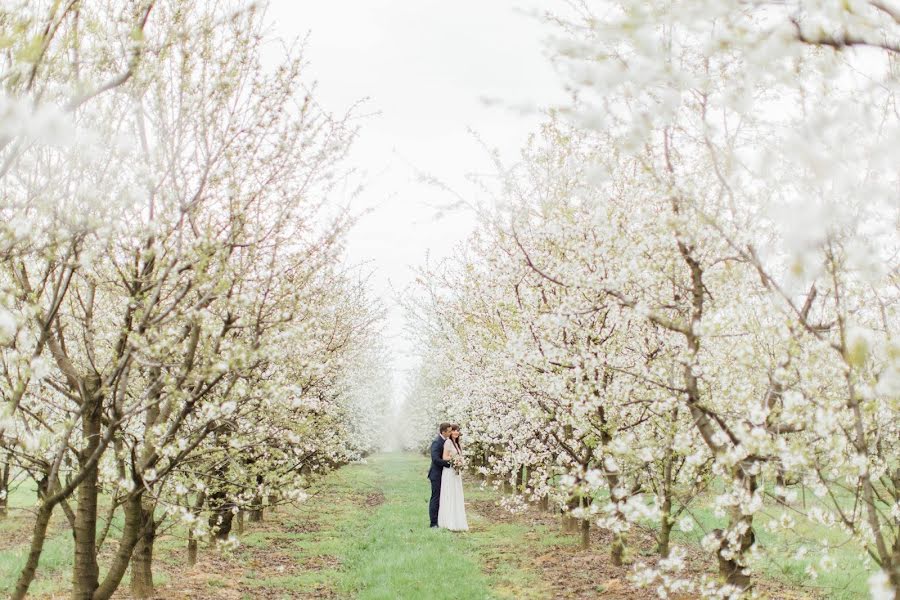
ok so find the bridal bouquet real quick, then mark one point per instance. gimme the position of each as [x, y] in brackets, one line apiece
[457, 462]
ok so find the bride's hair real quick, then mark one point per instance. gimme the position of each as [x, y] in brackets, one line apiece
[456, 443]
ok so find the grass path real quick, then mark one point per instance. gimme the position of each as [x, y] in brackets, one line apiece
[363, 533]
[372, 530]
[396, 555]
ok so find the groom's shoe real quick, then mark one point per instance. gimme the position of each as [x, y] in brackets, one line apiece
[434, 527]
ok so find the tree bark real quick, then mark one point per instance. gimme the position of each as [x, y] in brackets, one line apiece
[192, 540]
[4, 490]
[131, 533]
[39, 534]
[221, 518]
[668, 483]
[665, 528]
[566, 522]
[894, 569]
[781, 485]
[142, 558]
[191, 549]
[617, 550]
[85, 572]
[585, 534]
[256, 512]
[665, 534]
[732, 572]
[45, 510]
[731, 559]
[569, 523]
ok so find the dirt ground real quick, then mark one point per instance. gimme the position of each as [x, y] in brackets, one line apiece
[575, 574]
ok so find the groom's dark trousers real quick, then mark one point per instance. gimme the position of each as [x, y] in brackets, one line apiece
[438, 464]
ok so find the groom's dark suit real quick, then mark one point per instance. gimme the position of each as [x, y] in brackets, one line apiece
[438, 464]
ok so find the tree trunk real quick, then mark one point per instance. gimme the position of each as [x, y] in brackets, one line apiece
[479, 461]
[617, 550]
[585, 534]
[142, 558]
[192, 540]
[585, 524]
[545, 503]
[665, 523]
[240, 523]
[192, 548]
[4, 490]
[732, 565]
[224, 530]
[85, 573]
[485, 462]
[131, 533]
[256, 512]
[221, 519]
[781, 485]
[565, 522]
[665, 529]
[665, 535]
[569, 523]
[732, 572]
[39, 534]
[894, 569]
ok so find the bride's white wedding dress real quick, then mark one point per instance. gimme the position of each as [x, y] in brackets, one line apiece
[452, 509]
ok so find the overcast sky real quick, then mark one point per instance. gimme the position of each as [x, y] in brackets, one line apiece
[425, 68]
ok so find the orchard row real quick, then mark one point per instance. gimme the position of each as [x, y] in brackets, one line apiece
[179, 341]
[686, 292]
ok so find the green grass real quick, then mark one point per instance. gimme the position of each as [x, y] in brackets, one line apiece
[780, 560]
[54, 567]
[397, 556]
[780, 552]
[363, 533]
[387, 550]
[334, 515]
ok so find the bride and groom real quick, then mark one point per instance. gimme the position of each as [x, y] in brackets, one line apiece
[447, 508]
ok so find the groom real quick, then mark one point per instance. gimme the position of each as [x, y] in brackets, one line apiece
[438, 464]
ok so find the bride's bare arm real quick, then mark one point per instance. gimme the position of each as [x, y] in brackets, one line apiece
[447, 450]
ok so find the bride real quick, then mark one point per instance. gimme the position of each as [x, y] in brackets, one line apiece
[452, 509]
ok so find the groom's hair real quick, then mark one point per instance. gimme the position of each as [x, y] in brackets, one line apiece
[444, 427]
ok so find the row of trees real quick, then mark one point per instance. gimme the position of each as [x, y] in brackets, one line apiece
[688, 288]
[179, 341]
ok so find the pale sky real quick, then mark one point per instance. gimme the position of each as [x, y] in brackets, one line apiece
[426, 68]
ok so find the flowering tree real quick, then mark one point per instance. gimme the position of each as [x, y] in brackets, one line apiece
[169, 251]
[735, 115]
[536, 313]
[651, 264]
